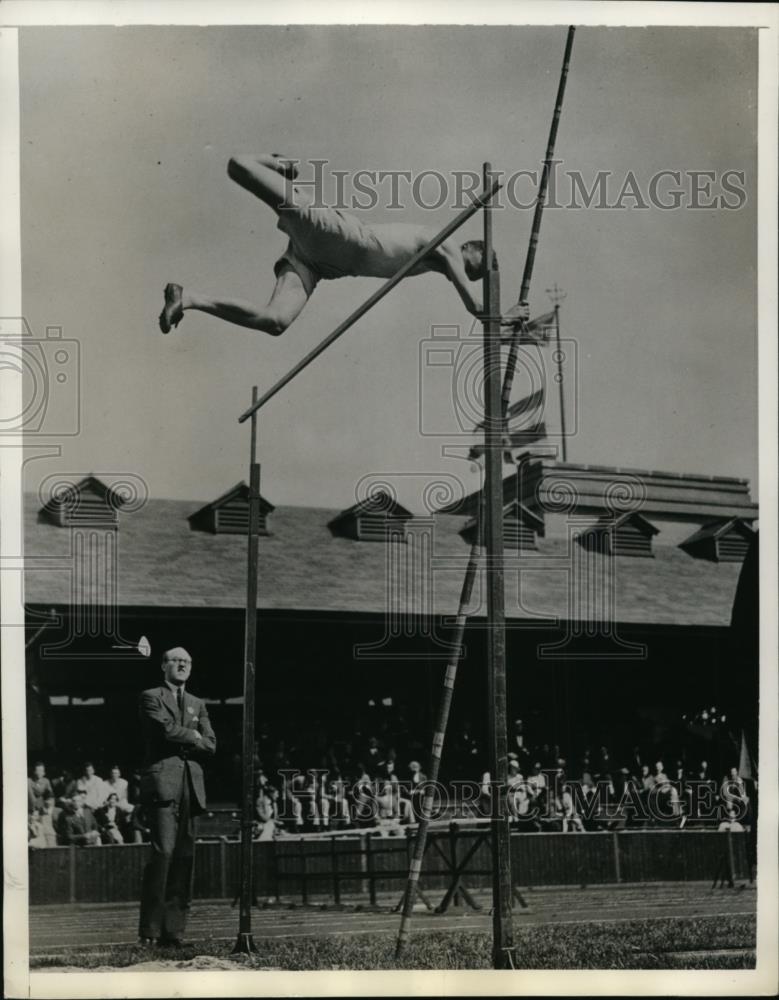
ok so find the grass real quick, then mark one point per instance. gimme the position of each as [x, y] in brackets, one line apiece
[637, 944]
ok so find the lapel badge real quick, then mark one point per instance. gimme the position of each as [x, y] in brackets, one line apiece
[190, 709]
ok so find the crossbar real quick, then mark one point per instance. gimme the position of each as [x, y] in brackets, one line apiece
[476, 203]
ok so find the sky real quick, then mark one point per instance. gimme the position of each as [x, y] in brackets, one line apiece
[126, 133]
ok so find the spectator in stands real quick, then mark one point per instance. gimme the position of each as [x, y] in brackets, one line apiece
[77, 823]
[571, 820]
[266, 814]
[49, 819]
[117, 785]
[93, 787]
[604, 764]
[35, 836]
[647, 778]
[538, 786]
[292, 800]
[731, 824]
[363, 799]
[138, 830]
[374, 757]
[416, 790]
[38, 787]
[518, 797]
[392, 807]
[517, 744]
[335, 790]
[110, 820]
[665, 801]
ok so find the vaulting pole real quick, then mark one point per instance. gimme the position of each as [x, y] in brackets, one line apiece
[442, 720]
[245, 941]
[502, 927]
[538, 213]
[446, 232]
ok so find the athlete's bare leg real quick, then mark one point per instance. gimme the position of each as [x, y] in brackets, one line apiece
[269, 177]
[285, 304]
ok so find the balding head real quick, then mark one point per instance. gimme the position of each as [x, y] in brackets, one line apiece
[176, 665]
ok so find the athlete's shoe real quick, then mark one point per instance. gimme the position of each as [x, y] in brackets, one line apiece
[173, 312]
[287, 167]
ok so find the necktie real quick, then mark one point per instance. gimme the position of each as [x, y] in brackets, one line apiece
[180, 698]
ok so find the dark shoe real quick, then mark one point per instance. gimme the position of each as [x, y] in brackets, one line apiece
[287, 168]
[173, 313]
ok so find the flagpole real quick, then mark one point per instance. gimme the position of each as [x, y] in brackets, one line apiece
[559, 354]
[557, 295]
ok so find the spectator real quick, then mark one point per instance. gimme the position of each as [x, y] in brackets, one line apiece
[35, 837]
[64, 787]
[109, 820]
[517, 743]
[668, 808]
[335, 790]
[417, 780]
[363, 799]
[266, 814]
[731, 824]
[49, 820]
[374, 757]
[93, 787]
[570, 818]
[117, 785]
[38, 787]
[77, 823]
[138, 830]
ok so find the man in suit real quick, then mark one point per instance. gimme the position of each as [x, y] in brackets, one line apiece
[177, 735]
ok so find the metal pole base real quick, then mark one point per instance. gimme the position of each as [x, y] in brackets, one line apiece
[244, 945]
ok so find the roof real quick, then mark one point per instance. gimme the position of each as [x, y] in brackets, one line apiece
[162, 563]
[238, 492]
[718, 529]
[553, 486]
[629, 517]
[379, 502]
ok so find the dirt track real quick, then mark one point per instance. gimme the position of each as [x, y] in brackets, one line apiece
[53, 929]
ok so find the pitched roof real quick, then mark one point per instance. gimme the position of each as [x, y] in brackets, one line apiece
[303, 566]
[238, 492]
[630, 516]
[550, 485]
[719, 528]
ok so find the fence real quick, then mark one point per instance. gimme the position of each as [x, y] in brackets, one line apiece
[362, 866]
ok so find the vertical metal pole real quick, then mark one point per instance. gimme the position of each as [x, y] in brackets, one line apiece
[502, 929]
[563, 433]
[245, 941]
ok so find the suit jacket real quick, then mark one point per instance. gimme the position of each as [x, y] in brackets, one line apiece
[171, 748]
[74, 827]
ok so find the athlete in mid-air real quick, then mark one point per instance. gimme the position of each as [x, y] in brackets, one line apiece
[326, 243]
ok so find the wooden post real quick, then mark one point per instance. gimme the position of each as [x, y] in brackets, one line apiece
[502, 929]
[439, 733]
[245, 941]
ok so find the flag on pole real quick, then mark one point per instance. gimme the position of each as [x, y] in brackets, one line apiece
[528, 404]
[745, 768]
[512, 441]
[537, 331]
